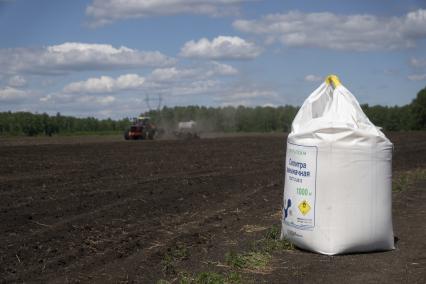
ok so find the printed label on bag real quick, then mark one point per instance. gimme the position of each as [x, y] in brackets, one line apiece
[300, 186]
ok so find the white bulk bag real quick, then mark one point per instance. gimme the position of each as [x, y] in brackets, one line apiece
[338, 177]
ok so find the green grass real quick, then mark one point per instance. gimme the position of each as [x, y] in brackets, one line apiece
[271, 242]
[173, 255]
[207, 277]
[216, 278]
[402, 180]
[260, 254]
[248, 260]
[257, 258]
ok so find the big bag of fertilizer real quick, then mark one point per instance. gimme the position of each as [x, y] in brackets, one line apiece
[338, 177]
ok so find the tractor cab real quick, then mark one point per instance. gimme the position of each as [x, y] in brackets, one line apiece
[143, 120]
[142, 128]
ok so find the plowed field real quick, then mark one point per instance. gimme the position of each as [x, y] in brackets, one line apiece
[102, 210]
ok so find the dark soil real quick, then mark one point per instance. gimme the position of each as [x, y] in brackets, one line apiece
[100, 211]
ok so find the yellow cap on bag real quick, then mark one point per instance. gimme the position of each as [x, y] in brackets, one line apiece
[333, 81]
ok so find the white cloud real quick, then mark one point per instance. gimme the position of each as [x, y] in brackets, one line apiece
[171, 74]
[106, 84]
[102, 100]
[270, 105]
[12, 95]
[102, 12]
[77, 101]
[222, 69]
[359, 32]
[160, 79]
[124, 95]
[200, 80]
[73, 56]
[417, 77]
[17, 81]
[194, 73]
[221, 47]
[248, 96]
[418, 62]
[174, 89]
[201, 87]
[313, 78]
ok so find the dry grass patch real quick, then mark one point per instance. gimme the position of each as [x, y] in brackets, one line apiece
[402, 180]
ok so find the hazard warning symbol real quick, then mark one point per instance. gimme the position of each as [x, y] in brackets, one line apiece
[304, 207]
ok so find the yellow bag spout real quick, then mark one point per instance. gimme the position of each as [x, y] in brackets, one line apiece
[333, 81]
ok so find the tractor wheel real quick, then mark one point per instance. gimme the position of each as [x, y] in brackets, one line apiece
[126, 135]
[151, 135]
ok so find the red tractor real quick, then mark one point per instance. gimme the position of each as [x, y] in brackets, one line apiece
[142, 128]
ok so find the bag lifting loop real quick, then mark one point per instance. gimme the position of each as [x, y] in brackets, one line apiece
[333, 81]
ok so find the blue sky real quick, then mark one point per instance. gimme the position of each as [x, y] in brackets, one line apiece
[103, 58]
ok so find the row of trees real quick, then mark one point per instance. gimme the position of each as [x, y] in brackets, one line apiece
[267, 119]
[26, 123]
[229, 119]
[223, 119]
[408, 117]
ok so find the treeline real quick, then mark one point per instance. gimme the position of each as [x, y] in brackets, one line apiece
[267, 119]
[408, 117]
[221, 119]
[228, 119]
[26, 123]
